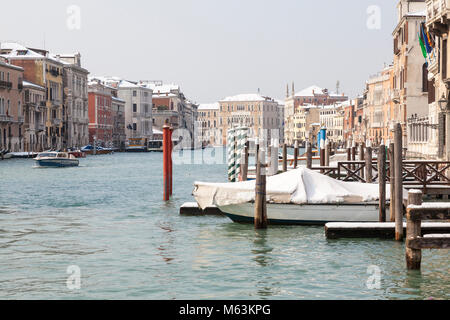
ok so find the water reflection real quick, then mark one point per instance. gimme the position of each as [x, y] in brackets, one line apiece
[166, 247]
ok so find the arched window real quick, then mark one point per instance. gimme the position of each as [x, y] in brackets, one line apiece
[425, 78]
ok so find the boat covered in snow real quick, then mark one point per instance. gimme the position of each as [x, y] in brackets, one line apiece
[299, 196]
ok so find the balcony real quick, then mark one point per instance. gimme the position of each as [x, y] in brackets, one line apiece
[56, 122]
[5, 85]
[21, 120]
[5, 119]
[437, 9]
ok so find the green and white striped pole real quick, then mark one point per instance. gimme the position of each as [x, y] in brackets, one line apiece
[231, 138]
[241, 140]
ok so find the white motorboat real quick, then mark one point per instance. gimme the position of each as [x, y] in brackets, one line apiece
[297, 197]
[56, 159]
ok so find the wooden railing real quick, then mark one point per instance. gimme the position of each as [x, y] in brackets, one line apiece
[415, 173]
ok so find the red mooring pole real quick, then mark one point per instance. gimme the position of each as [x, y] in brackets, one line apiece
[166, 157]
[170, 162]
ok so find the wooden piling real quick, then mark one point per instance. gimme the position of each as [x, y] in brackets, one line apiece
[392, 181]
[260, 194]
[166, 160]
[308, 155]
[245, 162]
[398, 171]
[170, 161]
[322, 156]
[296, 146]
[414, 230]
[327, 153]
[284, 157]
[369, 176]
[382, 181]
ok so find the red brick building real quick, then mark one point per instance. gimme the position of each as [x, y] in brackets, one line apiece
[101, 118]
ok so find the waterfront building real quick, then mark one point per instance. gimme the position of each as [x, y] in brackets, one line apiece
[281, 117]
[41, 69]
[379, 109]
[313, 95]
[433, 132]
[119, 136]
[170, 104]
[35, 114]
[208, 120]
[75, 97]
[100, 114]
[331, 117]
[248, 110]
[138, 109]
[11, 107]
[303, 119]
[410, 83]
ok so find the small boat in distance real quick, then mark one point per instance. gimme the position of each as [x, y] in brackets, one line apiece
[155, 146]
[56, 159]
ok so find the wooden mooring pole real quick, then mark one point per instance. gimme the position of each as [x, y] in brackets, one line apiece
[392, 181]
[245, 162]
[327, 153]
[369, 176]
[398, 171]
[308, 155]
[260, 193]
[382, 181]
[414, 230]
[296, 146]
[166, 160]
[170, 162]
[284, 157]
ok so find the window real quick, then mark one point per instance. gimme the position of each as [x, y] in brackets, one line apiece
[424, 78]
[134, 93]
[134, 107]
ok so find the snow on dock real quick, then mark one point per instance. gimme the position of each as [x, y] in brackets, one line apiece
[337, 230]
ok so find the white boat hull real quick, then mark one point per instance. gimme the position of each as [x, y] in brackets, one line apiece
[310, 214]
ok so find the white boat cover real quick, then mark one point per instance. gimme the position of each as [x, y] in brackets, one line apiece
[300, 186]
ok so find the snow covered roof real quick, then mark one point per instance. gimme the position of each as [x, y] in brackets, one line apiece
[128, 84]
[244, 98]
[209, 106]
[310, 91]
[162, 88]
[18, 50]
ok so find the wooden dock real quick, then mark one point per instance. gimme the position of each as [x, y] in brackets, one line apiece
[340, 230]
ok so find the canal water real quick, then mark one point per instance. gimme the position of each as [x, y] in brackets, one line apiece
[107, 219]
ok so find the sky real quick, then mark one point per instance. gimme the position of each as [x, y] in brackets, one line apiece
[214, 49]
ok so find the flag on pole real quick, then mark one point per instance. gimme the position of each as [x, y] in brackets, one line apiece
[424, 51]
[425, 39]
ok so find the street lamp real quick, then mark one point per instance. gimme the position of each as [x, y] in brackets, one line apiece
[443, 103]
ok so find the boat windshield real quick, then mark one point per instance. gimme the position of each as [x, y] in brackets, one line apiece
[47, 155]
[62, 155]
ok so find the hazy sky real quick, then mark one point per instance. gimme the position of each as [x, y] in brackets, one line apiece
[214, 49]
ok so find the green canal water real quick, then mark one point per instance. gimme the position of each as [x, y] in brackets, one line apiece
[107, 218]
